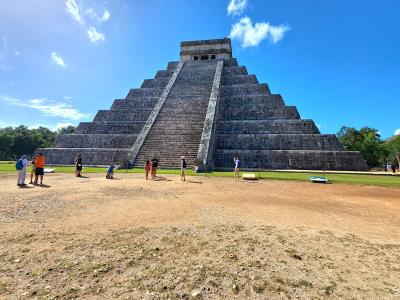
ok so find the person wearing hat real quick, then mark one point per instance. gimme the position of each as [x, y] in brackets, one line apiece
[78, 165]
[22, 163]
[183, 168]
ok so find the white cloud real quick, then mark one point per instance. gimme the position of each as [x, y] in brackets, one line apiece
[85, 18]
[67, 98]
[47, 107]
[251, 35]
[101, 19]
[16, 53]
[95, 36]
[58, 59]
[73, 10]
[106, 16]
[397, 131]
[236, 7]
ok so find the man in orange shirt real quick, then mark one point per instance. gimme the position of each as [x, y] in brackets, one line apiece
[39, 163]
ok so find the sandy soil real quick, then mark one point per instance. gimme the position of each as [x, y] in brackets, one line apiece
[207, 238]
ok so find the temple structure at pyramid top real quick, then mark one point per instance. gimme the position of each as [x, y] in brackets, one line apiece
[220, 49]
[207, 108]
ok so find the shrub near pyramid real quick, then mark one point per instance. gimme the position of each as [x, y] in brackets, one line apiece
[209, 109]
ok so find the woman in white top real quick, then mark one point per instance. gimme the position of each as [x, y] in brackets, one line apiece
[236, 170]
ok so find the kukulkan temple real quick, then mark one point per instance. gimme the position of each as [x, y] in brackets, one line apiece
[209, 109]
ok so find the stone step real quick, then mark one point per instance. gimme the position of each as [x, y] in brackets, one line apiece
[122, 114]
[243, 113]
[145, 92]
[251, 100]
[164, 74]
[238, 79]
[110, 127]
[260, 141]
[183, 112]
[244, 89]
[267, 126]
[234, 70]
[172, 65]
[155, 83]
[291, 159]
[137, 103]
[96, 140]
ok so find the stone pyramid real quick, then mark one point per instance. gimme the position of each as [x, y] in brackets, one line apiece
[209, 109]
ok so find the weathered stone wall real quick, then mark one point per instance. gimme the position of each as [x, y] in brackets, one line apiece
[91, 156]
[292, 126]
[292, 159]
[118, 127]
[278, 141]
[265, 133]
[96, 140]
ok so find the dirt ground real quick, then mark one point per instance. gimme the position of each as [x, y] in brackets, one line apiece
[206, 238]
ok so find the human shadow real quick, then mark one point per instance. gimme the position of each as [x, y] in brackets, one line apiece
[43, 185]
[84, 177]
[158, 178]
[25, 187]
[192, 181]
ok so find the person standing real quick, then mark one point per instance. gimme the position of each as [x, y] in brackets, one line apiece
[110, 170]
[39, 172]
[154, 166]
[183, 168]
[21, 165]
[394, 168]
[147, 168]
[78, 165]
[236, 171]
[33, 166]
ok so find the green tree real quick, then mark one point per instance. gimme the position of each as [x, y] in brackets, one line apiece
[66, 130]
[366, 140]
[392, 146]
[20, 140]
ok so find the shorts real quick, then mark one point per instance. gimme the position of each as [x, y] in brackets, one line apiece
[39, 171]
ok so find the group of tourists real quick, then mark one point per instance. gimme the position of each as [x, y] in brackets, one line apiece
[392, 167]
[37, 171]
[150, 167]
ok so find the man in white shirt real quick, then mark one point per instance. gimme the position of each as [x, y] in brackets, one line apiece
[22, 172]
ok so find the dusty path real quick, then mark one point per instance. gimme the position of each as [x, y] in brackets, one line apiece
[204, 238]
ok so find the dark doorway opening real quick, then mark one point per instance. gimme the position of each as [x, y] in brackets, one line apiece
[204, 57]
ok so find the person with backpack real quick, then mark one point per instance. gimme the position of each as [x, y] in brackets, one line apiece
[78, 165]
[110, 170]
[21, 165]
[39, 172]
[183, 168]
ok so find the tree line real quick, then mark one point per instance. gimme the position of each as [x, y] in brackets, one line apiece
[16, 141]
[375, 150]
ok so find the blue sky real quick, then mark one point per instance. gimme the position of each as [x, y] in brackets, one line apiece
[337, 61]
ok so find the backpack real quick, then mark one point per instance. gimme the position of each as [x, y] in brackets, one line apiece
[19, 165]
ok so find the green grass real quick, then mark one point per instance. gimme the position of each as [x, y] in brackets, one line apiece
[360, 179]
